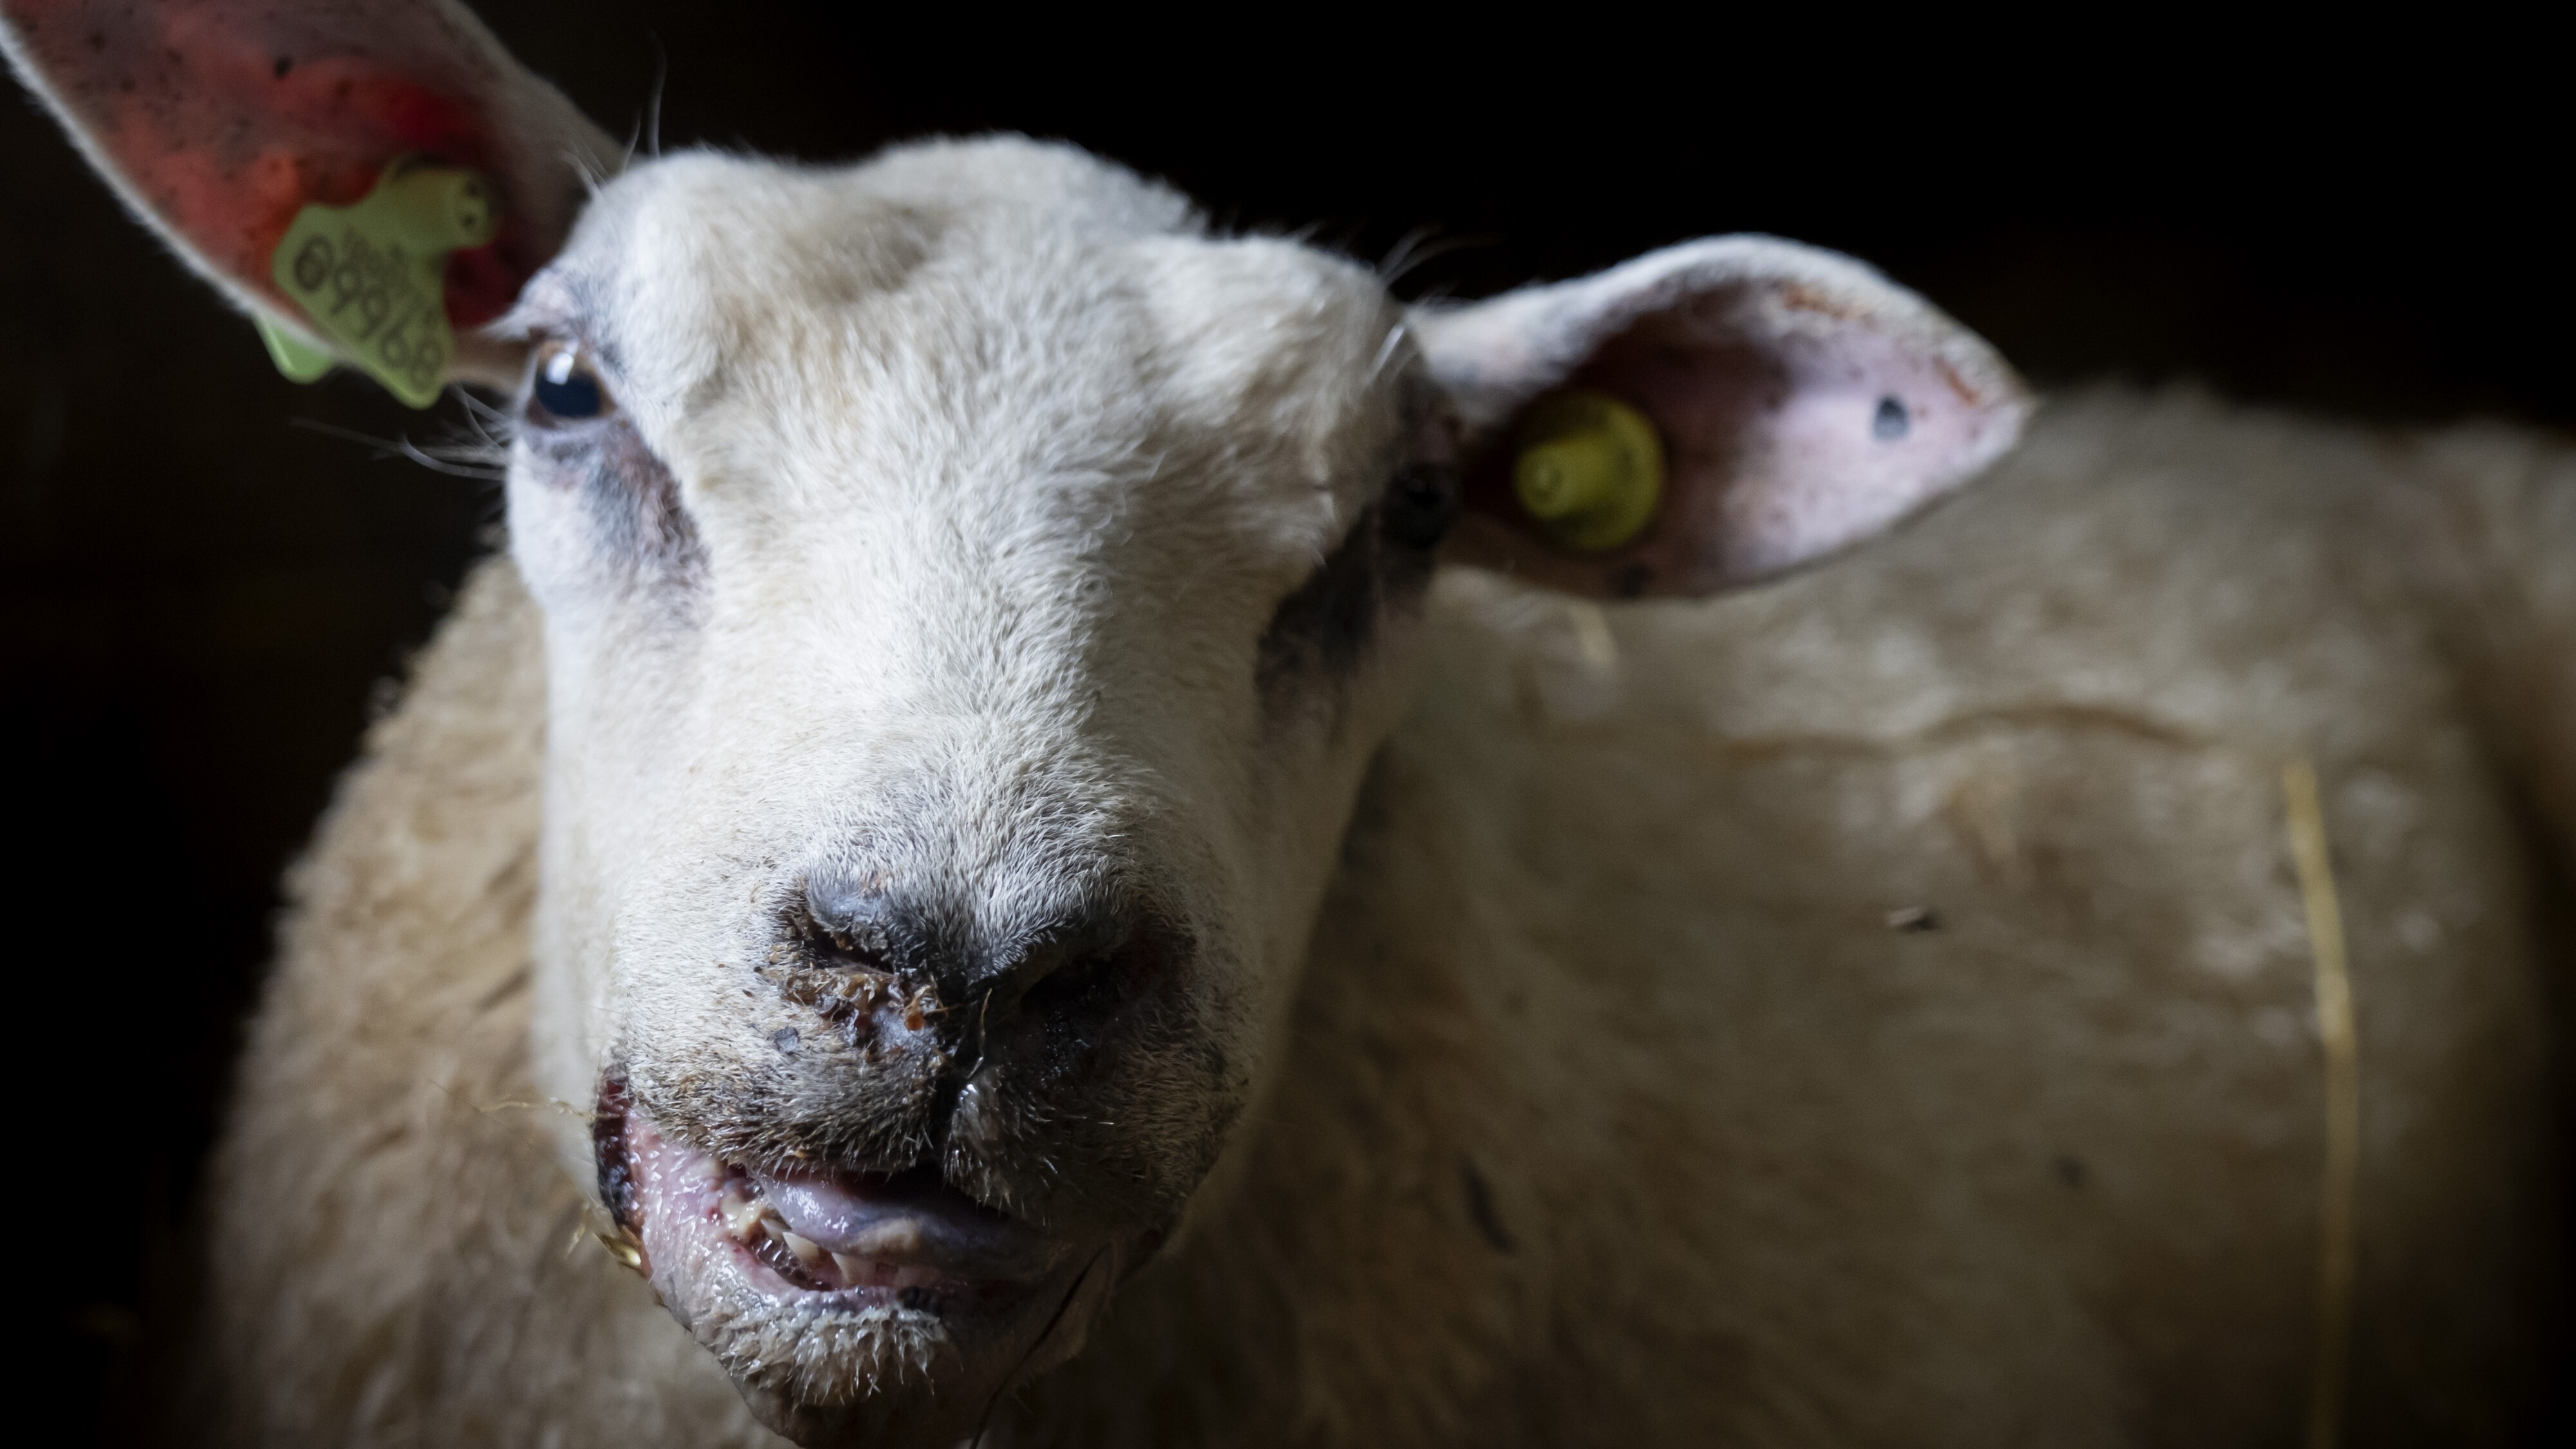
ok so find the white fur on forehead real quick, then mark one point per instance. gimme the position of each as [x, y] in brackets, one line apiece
[1091, 298]
[1274, 334]
[678, 258]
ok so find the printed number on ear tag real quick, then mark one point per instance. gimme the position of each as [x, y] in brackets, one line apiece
[1590, 472]
[371, 278]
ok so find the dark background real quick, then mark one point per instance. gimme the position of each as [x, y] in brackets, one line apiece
[207, 581]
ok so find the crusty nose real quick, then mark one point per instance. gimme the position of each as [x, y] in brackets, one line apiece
[1080, 957]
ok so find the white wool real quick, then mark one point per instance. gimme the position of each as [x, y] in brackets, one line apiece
[1614, 1111]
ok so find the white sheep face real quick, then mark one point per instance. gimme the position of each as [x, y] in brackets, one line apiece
[969, 613]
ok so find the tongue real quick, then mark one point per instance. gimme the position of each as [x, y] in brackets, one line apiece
[909, 1219]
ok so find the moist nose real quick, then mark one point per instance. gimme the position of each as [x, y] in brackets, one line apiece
[861, 921]
[1085, 957]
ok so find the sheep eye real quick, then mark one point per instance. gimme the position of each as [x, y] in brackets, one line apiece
[565, 389]
[1421, 504]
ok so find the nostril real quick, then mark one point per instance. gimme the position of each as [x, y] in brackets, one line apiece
[1089, 971]
[849, 922]
[1075, 987]
[858, 939]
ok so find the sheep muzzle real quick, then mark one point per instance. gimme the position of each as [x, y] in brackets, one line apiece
[852, 1306]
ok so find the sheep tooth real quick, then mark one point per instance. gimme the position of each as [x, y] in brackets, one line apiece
[742, 1215]
[807, 1251]
[623, 1248]
[854, 1269]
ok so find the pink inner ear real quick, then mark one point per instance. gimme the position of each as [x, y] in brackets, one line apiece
[1785, 441]
[227, 118]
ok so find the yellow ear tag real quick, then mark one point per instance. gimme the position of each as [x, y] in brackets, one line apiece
[1590, 470]
[372, 278]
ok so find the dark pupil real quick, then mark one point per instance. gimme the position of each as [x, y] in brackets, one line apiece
[1421, 505]
[574, 395]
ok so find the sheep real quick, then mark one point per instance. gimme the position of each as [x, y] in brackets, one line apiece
[1035, 841]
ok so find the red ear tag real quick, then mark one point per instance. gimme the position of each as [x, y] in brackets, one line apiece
[371, 278]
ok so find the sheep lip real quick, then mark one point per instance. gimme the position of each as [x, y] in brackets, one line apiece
[930, 1307]
[853, 1240]
[912, 1219]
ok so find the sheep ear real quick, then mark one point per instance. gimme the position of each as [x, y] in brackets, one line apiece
[1708, 415]
[221, 122]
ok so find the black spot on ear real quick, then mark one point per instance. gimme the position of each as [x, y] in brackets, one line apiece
[1631, 581]
[1890, 421]
[284, 64]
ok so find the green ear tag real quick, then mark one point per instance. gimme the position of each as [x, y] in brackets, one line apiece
[372, 277]
[300, 360]
[1590, 470]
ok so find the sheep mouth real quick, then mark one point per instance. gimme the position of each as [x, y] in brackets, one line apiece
[865, 1239]
[849, 1307]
